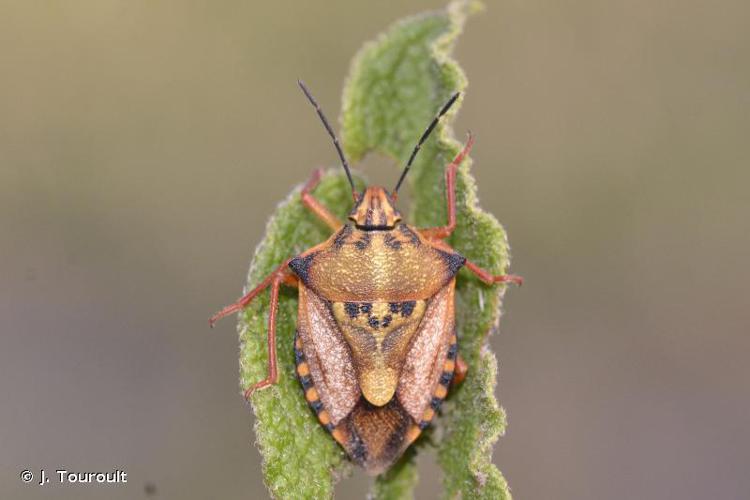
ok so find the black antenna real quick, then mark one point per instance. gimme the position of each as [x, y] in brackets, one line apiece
[331, 133]
[424, 137]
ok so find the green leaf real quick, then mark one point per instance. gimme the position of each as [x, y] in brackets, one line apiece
[396, 85]
[399, 481]
[300, 458]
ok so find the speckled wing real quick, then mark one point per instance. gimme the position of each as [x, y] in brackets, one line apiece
[328, 355]
[427, 354]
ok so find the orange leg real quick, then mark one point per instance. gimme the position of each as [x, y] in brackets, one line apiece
[272, 373]
[459, 373]
[314, 205]
[275, 279]
[450, 188]
[489, 278]
[282, 272]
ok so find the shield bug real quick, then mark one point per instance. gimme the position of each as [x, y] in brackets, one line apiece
[376, 347]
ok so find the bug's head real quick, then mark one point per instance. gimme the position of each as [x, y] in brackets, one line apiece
[375, 209]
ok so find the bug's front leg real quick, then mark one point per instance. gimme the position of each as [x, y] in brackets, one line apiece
[314, 205]
[450, 189]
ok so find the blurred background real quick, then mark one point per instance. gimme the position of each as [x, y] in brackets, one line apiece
[143, 146]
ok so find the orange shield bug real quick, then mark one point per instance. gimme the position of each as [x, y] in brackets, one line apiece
[376, 347]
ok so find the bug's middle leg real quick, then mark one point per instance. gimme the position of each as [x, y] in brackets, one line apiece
[273, 375]
[282, 272]
[490, 278]
[450, 189]
[314, 205]
[482, 274]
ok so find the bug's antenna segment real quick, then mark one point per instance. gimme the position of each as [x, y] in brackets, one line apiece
[331, 133]
[424, 137]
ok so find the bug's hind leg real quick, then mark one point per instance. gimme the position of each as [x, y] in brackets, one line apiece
[314, 205]
[460, 371]
[455, 364]
[450, 189]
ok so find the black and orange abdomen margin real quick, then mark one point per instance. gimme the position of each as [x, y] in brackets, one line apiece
[375, 436]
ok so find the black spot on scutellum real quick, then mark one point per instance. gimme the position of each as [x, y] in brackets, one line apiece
[351, 309]
[407, 308]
